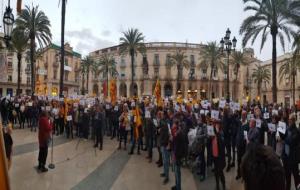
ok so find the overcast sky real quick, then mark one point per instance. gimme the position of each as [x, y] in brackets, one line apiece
[95, 24]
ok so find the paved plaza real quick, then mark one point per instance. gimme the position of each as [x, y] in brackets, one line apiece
[88, 168]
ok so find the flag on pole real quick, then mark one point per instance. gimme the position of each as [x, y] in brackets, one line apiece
[113, 91]
[4, 181]
[157, 93]
[104, 89]
[137, 121]
[19, 6]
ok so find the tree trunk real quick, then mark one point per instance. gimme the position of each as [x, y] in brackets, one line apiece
[258, 89]
[87, 80]
[210, 82]
[274, 32]
[19, 56]
[83, 91]
[293, 89]
[62, 49]
[107, 80]
[132, 67]
[32, 52]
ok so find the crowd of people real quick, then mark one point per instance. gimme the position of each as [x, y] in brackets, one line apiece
[262, 142]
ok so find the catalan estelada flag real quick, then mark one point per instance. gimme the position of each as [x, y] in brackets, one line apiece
[157, 93]
[113, 91]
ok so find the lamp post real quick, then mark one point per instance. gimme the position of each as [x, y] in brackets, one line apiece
[8, 21]
[228, 45]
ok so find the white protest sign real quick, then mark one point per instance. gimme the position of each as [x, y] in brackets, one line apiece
[266, 115]
[274, 112]
[281, 127]
[206, 112]
[116, 108]
[69, 118]
[258, 123]
[202, 112]
[210, 130]
[245, 135]
[215, 114]
[48, 108]
[147, 114]
[272, 127]
[237, 106]
[222, 103]
[30, 104]
[155, 122]
[75, 104]
[16, 105]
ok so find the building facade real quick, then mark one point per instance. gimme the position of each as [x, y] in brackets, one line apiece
[48, 71]
[9, 72]
[284, 86]
[155, 64]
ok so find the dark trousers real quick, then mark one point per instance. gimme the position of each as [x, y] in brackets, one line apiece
[22, 120]
[114, 129]
[43, 156]
[240, 154]
[159, 155]
[99, 133]
[233, 147]
[61, 125]
[69, 129]
[219, 174]
[289, 170]
[202, 162]
[149, 144]
[56, 126]
[123, 136]
[228, 150]
[209, 153]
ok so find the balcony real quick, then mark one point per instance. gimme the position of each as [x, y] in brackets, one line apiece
[55, 64]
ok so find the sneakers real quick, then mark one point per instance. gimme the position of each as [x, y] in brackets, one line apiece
[166, 180]
[162, 175]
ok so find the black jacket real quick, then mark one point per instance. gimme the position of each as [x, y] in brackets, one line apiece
[292, 140]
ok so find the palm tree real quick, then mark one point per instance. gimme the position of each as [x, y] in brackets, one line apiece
[108, 66]
[36, 26]
[132, 43]
[179, 59]
[211, 57]
[87, 62]
[260, 74]
[289, 71]
[275, 17]
[62, 50]
[19, 44]
[239, 58]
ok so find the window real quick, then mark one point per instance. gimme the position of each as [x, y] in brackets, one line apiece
[168, 59]
[28, 80]
[76, 77]
[156, 71]
[192, 73]
[156, 59]
[215, 72]
[66, 75]
[9, 64]
[45, 77]
[192, 60]
[66, 61]
[54, 74]
[9, 79]
[122, 74]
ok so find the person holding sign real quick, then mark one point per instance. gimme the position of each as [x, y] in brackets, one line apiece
[124, 121]
[45, 129]
[99, 123]
[253, 134]
[290, 155]
[241, 142]
[218, 152]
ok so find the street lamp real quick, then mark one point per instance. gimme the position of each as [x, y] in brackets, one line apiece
[228, 45]
[8, 21]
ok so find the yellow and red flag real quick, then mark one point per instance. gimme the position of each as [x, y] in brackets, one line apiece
[157, 93]
[137, 121]
[113, 91]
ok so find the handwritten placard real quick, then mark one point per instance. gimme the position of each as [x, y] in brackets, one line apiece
[215, 114]
[147, 114]
[258, 123]
[210, 130]
[266, 115]
[69, 118]
[272, 127]
[281, 127]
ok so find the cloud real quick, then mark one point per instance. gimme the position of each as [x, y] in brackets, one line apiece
[106, 33]
[84, 41]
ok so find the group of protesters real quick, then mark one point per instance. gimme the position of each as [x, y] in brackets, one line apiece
[203, 135]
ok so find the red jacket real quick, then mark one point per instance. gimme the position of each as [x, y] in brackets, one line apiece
[44, 131]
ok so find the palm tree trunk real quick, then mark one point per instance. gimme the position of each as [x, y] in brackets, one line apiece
[107, 80]
[274, 31]
[293, 89]
[32, 51]
[19, 73]
[83, 91]
[87, 80]
[210, 84]
[132, 67]
[258, 89]
[62, 50]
